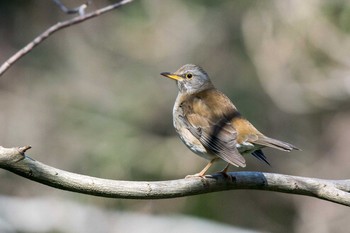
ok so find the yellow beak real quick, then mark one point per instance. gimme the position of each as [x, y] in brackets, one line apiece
[172, 76]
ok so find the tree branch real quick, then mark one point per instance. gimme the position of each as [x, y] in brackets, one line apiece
[58, 26]
[15, 160]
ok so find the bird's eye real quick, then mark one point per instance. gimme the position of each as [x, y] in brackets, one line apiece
[189, 75]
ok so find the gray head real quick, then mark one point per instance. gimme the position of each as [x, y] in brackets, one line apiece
[190, 79]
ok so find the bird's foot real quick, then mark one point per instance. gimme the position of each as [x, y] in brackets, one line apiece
[201, 174]
[195, 176]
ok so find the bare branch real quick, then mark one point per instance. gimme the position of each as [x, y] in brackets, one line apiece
[58, 26]
[14, 160]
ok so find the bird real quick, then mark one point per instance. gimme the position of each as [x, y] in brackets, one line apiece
[211, 126]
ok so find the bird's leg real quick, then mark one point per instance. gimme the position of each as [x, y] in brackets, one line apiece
[204, 170]
[224, 171]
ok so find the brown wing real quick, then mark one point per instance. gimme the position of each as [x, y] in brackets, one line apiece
[211, 124]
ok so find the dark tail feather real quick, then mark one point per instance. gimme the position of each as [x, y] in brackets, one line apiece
[260, 155]
[274, 143]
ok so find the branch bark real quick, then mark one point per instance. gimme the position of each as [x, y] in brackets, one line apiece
[15, 160]
[58, 26]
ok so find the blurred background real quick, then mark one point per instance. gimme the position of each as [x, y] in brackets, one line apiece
[90, 100]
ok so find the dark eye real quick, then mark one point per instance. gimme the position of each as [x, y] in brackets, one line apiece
[189, 75]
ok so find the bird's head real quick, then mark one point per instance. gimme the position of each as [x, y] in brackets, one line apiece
[190, 79]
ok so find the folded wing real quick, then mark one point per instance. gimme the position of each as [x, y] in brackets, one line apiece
[212, 127]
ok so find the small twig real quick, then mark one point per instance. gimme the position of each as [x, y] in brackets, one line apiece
[23, 149]
[337, 191]
[58, 26]
[80, 9]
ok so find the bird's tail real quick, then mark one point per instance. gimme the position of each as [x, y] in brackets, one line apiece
[276, 144]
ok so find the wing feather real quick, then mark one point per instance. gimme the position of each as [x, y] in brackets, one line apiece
[212, 127]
